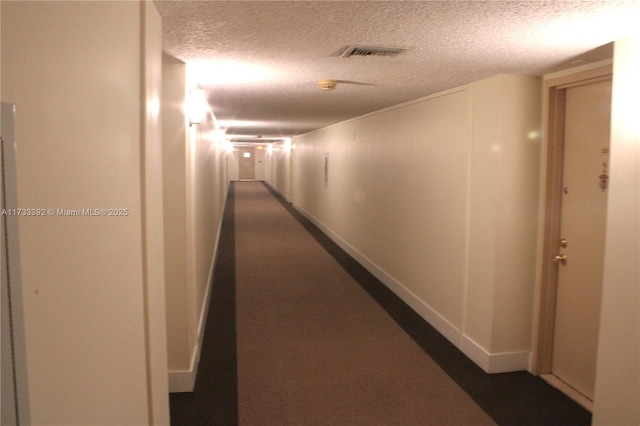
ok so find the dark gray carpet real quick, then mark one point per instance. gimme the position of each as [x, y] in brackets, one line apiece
[214, 400]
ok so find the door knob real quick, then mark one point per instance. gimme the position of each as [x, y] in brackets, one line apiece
[561, 259]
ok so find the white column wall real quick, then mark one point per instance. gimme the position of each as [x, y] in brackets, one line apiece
[506, 145]
[616, 398]
[87, 139]
[180, 335]
[153, 217]
[404, 189]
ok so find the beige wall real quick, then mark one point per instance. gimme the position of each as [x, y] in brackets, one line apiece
[503, 215]
[618, 370]
[207, 188]
[279, 168]
[180, 335]
[425, 194]
[233, 164]
[196, 182]
[93, 286]
[153, 216]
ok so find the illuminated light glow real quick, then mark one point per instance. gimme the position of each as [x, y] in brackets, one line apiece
[270, 148]
[533, 135]
[153, 106]
[227, 146]
[231, 73]
[253, 139]
[219, 136]
[287, 144]
[197, 106]
[243, 123]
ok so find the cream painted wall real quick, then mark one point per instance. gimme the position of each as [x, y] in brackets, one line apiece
[506, 145]
[279, 169]
[402, 193]
[89, 140]
[207, 176]
[153, 217]
[233, 164]
[197, 174]
[195, 193]
[616, 398]
[180, 335]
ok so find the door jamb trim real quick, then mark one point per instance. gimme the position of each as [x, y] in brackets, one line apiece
[552, 159]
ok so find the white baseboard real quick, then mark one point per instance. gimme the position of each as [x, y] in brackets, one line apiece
[185, 380]
[451, 332]
[504, 362]
[282, 194]
[491, 363]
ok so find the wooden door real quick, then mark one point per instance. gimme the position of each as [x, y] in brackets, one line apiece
[580, 257]
[247, 164]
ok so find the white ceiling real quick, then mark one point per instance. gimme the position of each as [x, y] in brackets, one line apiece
[260, 61]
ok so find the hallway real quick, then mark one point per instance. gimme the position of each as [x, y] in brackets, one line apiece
[438, 185]
[307, 343]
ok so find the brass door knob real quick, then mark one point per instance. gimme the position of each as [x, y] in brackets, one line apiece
[561, 259]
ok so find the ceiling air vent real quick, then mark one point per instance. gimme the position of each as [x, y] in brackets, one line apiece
[388, 52]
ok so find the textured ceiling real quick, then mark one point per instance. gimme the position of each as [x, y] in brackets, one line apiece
[260, 61]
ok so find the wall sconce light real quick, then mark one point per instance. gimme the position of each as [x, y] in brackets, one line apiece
[197, 106]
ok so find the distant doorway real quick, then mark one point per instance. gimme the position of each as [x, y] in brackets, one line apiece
[247, 164]
[580, 113]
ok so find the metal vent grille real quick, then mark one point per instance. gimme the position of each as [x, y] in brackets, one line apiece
[389, 52]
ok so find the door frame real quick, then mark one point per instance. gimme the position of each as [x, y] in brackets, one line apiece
[241, 151]
[14, 346]
[551, 203]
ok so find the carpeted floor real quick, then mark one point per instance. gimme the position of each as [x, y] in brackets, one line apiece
[313, 347]
[320, 341]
